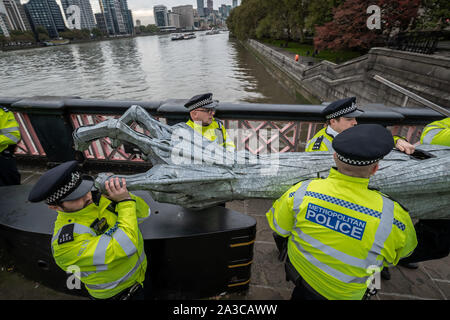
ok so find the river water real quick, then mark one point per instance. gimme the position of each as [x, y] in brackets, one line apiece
[143, 68]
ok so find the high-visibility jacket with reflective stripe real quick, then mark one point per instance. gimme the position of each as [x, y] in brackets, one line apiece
[437, 132]
[213, 132]
[9, 129]
[322, 141]
[339, 231]
[112, 261]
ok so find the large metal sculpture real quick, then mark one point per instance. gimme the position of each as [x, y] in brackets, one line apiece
[194, 172]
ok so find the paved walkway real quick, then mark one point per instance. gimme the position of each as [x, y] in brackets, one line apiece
[430, 281]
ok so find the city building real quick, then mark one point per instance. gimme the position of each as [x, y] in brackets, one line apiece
[200, 8]
[46, 13]
[210, 5]
[101, 23]
[16, 14]
[86, 15]
[173, 19]
[138, 23]
[114, 19]
[127, 16]
[5, 27]
[186, 13]
[235, 3]
[160, 15]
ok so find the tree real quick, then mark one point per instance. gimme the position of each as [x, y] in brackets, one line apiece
[435, 16]
[398, 15]
[97, 33]
[348, 29]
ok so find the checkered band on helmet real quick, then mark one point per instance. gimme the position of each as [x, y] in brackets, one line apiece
[342, 112]
[201, 104]
[356, 162]
[66, 189]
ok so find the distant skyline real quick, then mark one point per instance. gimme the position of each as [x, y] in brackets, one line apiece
[143, 9]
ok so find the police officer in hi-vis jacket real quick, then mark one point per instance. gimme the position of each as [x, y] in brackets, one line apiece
[97, 234]
[339, 231]
[341, 115]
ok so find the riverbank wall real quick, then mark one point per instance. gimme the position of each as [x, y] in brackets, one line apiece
[425, 75]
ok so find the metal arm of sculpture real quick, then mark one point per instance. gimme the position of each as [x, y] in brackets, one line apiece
[193, 172]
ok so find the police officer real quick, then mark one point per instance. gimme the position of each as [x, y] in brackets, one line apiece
[433, 234]
[96, 234]
[437, 132]
[201, 118]
[341, 115]
[339, 230]
[9, 137]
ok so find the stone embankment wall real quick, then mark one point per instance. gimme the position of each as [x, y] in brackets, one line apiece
[425, 75]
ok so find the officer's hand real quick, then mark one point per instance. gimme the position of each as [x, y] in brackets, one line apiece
[116, 191]
[405, 146]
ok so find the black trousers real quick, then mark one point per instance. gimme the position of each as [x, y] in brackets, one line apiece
[433, 237]
[9, 175]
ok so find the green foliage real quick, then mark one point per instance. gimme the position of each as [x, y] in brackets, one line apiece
[76, 34]
[305, 50]
[97, 33]
[436, 15]
[150, 28]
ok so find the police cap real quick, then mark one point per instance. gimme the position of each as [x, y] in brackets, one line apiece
[363, 144]
[61, 183]
[342, 108]
[201, 101]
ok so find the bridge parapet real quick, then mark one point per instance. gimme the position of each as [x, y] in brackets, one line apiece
[47, 124]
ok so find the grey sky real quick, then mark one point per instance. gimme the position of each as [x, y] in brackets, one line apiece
[143, 9]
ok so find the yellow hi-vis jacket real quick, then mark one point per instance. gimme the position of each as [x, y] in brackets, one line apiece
[437, 132]
[9, 129]
[322, 141]
[213, 132]
[108, 262]
[340, 232]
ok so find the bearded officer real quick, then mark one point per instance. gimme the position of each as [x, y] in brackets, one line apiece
[202, 109]
[338, 229]
[97, 234]
[341, 115]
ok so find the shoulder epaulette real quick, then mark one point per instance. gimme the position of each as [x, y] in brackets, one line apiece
[317, 143]
[66, 234]
[5, 109]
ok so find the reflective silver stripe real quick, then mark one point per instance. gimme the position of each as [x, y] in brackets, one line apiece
[382, 233]
[429, 136]
[328, 143]
[125, 242]
[327, 269]
[277, 227]
[10, 136]
[299, 195]
[78, 229]
[112, 285]
[341, 256]
[10, 129]
[100, 253]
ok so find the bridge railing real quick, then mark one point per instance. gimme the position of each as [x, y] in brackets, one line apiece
[47, 123]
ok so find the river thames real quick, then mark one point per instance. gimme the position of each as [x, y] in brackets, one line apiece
[143, 68]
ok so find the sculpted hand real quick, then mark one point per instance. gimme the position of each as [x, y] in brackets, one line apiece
[116, 191]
